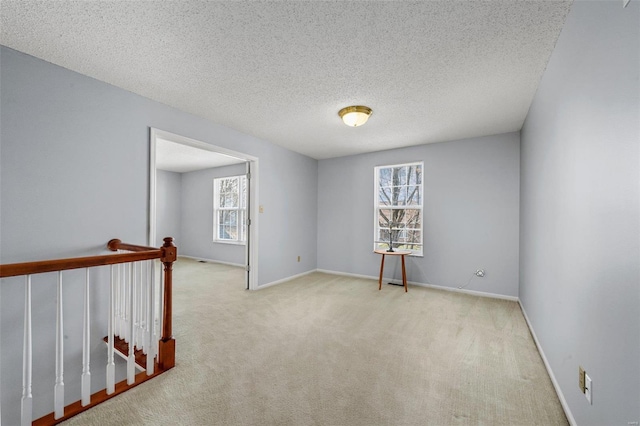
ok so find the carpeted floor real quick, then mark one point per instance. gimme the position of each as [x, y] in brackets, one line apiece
[332, 350]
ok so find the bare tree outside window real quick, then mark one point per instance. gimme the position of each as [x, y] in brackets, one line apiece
[229, 209]
[398, 207]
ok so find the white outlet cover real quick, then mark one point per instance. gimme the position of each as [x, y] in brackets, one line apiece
[588, 390]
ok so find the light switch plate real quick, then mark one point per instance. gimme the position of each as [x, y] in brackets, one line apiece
[588, 388]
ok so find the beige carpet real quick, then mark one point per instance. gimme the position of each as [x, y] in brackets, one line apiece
[330, 350]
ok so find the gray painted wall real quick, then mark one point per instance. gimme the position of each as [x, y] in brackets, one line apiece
[168, 207]
[197, 216]
[579, 255]
[471, 202]
[74, 174]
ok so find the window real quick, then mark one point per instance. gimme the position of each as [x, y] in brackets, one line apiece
[398, 207]
[229, 209]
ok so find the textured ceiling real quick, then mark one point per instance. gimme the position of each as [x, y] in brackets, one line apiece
[431, 71]
[180, 158]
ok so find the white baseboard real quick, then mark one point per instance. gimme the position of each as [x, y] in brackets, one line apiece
[437, 287]
[347, 274]
[465, 291]
[563, 401]
[284, 280]
[202, 259]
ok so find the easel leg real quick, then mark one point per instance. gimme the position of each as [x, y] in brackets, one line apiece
[381, 269]
[404, 275]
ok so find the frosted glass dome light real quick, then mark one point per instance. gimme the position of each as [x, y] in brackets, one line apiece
[355, 116]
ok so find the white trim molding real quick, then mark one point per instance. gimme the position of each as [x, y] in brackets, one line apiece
[252, 252]
[556, 385]
[284, 280]
[202, 259]
[436, 287]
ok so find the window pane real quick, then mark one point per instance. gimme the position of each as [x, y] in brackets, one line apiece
[230, 200]
[399, 175]
[398, 216]
[408, 236]
[385, 177]
[384, 196]
[411, 218]
[243, 192]
[241, 225]
[413, 196]
[414, 175]
[383, 217]
[222, 224]
[399, 195]
[228, 229]
[229, 192]
[408, 246]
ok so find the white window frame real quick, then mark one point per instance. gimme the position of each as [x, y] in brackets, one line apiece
[379, 244]
[241, 210]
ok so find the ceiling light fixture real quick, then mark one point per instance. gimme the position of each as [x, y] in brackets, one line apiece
[355, 116]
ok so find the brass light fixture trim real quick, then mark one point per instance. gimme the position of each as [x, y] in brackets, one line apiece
[355, 115]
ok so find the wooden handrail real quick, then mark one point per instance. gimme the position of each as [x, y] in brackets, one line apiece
[29, 268]
[116, 244]
[137, 253]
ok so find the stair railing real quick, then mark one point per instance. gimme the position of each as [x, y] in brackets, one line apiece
[135, 316]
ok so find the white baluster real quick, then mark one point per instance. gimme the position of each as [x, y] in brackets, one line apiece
[159, 306]
[142, 314]
[123, 301]
[144, 284]
[27, 398]
[151, 352]
[143, 306]
[138, 310]
[111, 366]
[132, 310]
[131, 361]
[127, 309]
[149, 322]
[116, 302]
[58, 399]
[122, 333]
[86, 348]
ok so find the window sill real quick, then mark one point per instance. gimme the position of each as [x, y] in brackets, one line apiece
[420, 254]
[232, 243]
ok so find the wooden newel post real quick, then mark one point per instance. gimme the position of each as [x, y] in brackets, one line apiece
[167, 345]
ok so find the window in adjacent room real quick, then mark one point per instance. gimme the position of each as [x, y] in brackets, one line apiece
[398, 207]
[229, 209]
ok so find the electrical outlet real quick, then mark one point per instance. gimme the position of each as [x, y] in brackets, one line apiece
[480, 273]
[588, 386]
[581, 379]
[261, 209]
[298, 258]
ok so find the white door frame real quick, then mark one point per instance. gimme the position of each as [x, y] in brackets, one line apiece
[251, 258]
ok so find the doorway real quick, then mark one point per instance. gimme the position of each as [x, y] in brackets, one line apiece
[172, 152]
